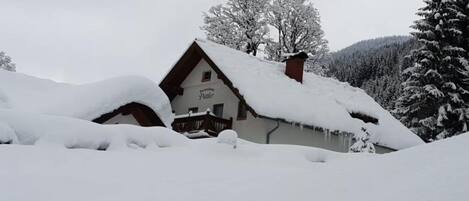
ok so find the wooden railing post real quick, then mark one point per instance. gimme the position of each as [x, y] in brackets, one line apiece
[230, 124]
[206, 121]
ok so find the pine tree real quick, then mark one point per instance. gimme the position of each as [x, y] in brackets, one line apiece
[435, 96]
[239, 24]
[362, 143]
[6, 63]
[453, 116]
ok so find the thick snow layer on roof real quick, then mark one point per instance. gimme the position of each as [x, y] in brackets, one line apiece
[319, 101]
[87, 101]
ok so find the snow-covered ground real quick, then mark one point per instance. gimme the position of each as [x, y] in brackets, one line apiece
[171, 167]
[50, 151]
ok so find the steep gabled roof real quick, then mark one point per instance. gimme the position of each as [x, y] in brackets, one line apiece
[95, 101]
[172, 81]
[319, 102]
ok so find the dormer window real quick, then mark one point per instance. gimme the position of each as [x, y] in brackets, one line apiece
[365, 118]
[206, 76]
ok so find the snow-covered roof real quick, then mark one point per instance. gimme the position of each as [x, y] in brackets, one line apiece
[321, 102]
[88, 101]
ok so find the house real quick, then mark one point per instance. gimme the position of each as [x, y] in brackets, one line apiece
[124, 100]
[213, 87]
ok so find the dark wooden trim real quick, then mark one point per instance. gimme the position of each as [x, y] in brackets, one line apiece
[224, 78]
[208, 123]
[184, 67]
[144, 115]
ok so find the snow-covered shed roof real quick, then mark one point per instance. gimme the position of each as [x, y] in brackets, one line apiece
[88, 101]
[319, 102]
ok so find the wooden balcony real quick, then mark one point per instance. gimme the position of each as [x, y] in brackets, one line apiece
[207, 122]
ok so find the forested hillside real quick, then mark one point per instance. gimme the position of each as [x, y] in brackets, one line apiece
[373, 65]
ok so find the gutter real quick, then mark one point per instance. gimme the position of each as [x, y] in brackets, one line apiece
[272, 131]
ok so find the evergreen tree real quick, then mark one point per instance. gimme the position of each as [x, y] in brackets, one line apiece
[435, 98]
[362, 143]
[240, 24]
[373, 65]
[6, 63]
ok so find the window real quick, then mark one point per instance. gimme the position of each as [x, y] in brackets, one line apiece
[206, 76]
[242, 111]
[218, 110]
[193, 110]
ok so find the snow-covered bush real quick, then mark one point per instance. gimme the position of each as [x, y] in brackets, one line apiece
[229, 137]
[6, 63]
[362, 143]
[7, 134]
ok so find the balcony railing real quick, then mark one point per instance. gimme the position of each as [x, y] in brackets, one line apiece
[207, 122]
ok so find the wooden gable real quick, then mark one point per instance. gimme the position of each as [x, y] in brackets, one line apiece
[144, 115]
[171, 84]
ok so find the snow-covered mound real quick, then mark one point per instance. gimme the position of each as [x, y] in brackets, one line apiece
[88, 101]
[207, 170]
[36, 129]
[229, 137]
[7, 135]
[319, 101]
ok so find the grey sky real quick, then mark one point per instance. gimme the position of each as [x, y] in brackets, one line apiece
[81, 41]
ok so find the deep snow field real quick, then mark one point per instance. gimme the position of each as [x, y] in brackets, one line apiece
[181, 169]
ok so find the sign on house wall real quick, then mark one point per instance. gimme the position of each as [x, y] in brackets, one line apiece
[207, 93]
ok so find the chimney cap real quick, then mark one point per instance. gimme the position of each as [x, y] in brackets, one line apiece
[298, 55]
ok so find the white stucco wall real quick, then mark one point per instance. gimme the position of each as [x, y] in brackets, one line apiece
[221, 94]
[252, 129]
[294, 134]
[193, 85]
[123, 119]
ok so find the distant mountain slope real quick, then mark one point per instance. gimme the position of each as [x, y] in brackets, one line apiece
[373, 65]
[373, 44]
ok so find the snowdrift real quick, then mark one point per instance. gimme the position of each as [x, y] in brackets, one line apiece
[88, 101]
[34, 129]
[207, 170]
[320, 102]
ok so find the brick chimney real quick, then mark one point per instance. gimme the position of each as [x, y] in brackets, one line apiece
[295, 66]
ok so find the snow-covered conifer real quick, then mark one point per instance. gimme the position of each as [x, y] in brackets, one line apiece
[239, 24]
[6, 63]
[435, 96]
[373, 65]
[362, 143]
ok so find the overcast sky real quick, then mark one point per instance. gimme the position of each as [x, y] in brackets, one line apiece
[81, 41]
